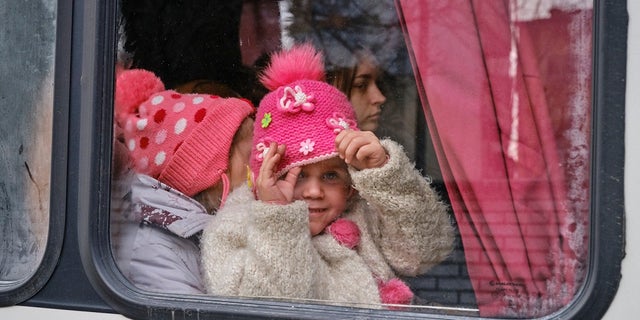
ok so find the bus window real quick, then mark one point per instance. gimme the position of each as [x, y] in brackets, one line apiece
[27, 58]
[492, 101]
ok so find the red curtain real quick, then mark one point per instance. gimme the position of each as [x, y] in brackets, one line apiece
[508, 108]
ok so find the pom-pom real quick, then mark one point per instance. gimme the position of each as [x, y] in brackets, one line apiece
[394, 291]
[133, 87]
[301, 62]
[346, 232]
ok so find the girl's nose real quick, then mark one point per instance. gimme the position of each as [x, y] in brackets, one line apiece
[312, 189]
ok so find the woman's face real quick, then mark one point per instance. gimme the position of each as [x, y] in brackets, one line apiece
[365, 96]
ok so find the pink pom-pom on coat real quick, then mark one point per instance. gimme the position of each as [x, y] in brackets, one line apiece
[394, 291]
[346, 232]
[301, 62]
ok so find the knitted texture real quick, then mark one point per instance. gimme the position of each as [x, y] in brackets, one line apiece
[183, 140]
[302, 112]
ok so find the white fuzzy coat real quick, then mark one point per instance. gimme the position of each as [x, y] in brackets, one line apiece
[255, 249]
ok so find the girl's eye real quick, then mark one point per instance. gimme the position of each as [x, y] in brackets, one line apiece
[330, 176]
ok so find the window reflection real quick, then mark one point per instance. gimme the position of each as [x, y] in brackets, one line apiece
[492, 101]
[26, 105]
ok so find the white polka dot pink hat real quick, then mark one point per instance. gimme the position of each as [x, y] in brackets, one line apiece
[183, 140]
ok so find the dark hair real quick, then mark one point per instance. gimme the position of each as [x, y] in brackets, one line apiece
[185, 40]
[341, 76]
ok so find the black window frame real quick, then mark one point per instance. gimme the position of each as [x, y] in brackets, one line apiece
[85, 65]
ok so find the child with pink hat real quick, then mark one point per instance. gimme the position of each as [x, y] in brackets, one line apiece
[186, 152]
[334, 214]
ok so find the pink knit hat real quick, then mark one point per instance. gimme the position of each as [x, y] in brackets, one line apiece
[183, 140]
[302, 111]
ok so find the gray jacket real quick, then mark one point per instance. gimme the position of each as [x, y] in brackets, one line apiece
[156, 245]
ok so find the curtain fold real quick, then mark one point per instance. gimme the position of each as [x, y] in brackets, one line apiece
[491, 106]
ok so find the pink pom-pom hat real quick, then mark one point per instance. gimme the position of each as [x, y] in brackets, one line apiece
[183, 140]
[302, 112]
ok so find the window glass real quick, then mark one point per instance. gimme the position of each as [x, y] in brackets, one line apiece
[26, 104]
[490, 100]
[512, 118]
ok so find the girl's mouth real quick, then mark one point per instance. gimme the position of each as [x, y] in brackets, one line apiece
[316, 210]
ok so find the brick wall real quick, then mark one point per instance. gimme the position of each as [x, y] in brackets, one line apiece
[448, 283]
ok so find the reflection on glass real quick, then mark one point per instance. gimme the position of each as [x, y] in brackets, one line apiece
[492, 101]
[26, 104]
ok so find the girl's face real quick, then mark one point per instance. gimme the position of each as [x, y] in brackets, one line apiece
[365, 96]
[325, 186]
[239, 159]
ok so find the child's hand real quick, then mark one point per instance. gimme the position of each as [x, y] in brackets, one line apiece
[361, 149]
[268, 187]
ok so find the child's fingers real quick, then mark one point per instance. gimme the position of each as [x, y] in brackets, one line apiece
[372, 155]
[361, 149]
[343, 141]
[351, 150]
[267, 188]
[341, 135]
[364, 152]
[350, 146]
[267, 158]
[292, 175]
[269, 162]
